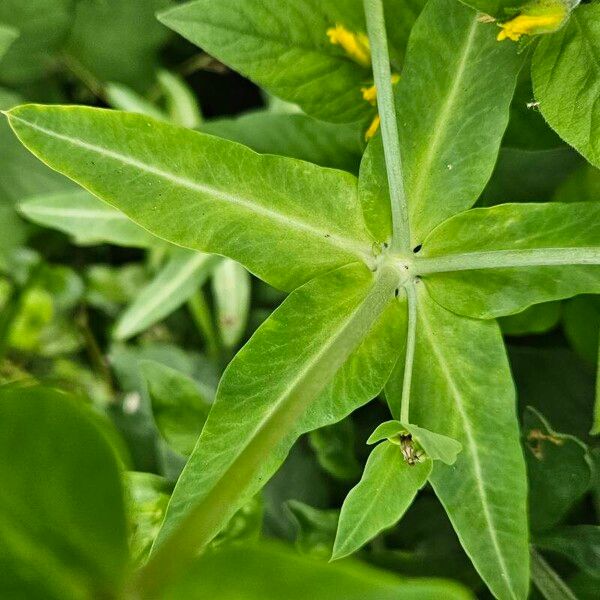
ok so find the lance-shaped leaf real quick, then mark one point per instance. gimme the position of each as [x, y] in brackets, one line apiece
[89, 220]
[231, 290]
[7, 36]
[491, 262]
[462, 388]
[378, 501]
[284, 47]
[566, 81]
[285, 220]
[173, 285]
[452, 119]
[327, 350]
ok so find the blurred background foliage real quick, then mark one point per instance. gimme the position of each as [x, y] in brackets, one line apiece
[140, 332]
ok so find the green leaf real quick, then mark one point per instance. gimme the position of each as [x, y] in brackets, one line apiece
[334, 449]
[220, 197]
[272, 572]
[7, 36]
[559, 470]
[436, 446]
[89, 220]
[180, 406]
[231, 291]
[581, 323]
[578, 543]
[42, 26]
[296, 136]
[462, 388]
[118, 41]
[386, 431]
[327, 350]
[387, 488]
[583, 185]
[182, 106]
[566, 81]
[315, 528]
[122, 97]
[539, 318]
[63, 526]
[547, 580]
[284, 47]
[180, 277]
[451, 120]
[498, 261]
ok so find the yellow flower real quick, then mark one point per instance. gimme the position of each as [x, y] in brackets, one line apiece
[370, 93]
[373, 128]
[539, 16]
[356, 45]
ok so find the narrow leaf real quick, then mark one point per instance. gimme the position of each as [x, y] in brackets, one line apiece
[451, 120]
[327, 350]
[181, 102]
[7, 36]
[286, 220]
[497, 261]
[174, 284]
[89, 220]
[462, 388]
[179, 405]
[387, 488]
[547, 580]
[231, 290]
[566, 81]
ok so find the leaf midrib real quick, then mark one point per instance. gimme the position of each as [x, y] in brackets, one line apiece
[361, 251]
[476, 464]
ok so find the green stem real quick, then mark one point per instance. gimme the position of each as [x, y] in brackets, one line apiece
[411, 337]
[547, 580]
[382, 74]
[202, 316]
[506, 259]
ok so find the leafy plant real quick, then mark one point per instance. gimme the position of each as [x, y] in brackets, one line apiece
[394, 277]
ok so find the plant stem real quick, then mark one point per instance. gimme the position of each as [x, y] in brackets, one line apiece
[382, 74]
[547, 580]
[411, 337]
[506, 259]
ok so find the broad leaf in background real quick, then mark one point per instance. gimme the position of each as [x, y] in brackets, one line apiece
[272, 572]
[559, 469]
[231, 291]
[125, 48]
[178, 279]
[315, 528]
[63, 535]
[583, 185]
[448, 153]
[500, 260]
[179, 404]
[297, 136]
[326, 351]
[43, 26]
[566, 81]
[464, 390]
[387, 488]
[88, 220]
[311, 224]
[7, 36]
[539, 318]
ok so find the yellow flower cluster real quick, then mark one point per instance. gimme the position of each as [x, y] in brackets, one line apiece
[356, 45]
[528, 25]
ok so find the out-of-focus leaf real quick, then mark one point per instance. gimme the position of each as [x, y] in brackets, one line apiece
[181, 276]
[109, 288]
[89, 220]
[539, 318]
[181, 104]
[559, 471]
[315, 528]
[123, 97]
[271, 572]
[334, 449]
[63, 529]
[180, 405]
[581, 321]
[148, 496]
[579, 543]
[118, 41]
[7, 36]
[231, 290]
[583, 185]
[547, 580]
